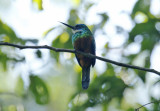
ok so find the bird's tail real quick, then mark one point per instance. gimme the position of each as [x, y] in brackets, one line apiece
[85, 77]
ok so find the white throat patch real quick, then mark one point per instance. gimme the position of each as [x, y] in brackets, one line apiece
[74, 31]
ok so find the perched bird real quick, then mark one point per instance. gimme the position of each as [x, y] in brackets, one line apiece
[83, 40]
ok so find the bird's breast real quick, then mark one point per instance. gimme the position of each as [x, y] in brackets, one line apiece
[83, 44]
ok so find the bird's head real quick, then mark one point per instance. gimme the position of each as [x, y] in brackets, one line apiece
[77, 28]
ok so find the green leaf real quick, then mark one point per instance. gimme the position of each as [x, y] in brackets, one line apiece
[148, 44]
[8, 34]
[141, 5]
[141, 74]
[39, 54]
[3, 60]
[47, 32]
[38, 4]
[105, 18]
[88, 6]
[147, 28]
[39, 90]
[156, 104]
[19, 89]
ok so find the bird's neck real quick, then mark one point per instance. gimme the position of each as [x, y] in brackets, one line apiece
[81, 34]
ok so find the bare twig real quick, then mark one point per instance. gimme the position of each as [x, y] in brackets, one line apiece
[137, 109]
[79, 52]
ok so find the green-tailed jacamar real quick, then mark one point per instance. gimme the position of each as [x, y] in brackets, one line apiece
[83, 40]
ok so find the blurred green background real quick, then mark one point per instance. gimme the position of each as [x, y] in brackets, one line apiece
[43, 80]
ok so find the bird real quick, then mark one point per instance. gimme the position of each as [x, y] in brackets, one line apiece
[83, 40]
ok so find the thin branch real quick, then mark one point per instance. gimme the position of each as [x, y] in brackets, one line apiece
[146, 105]
[79, 52]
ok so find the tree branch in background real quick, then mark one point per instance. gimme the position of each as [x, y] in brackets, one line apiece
[146, 105]
[79, 52]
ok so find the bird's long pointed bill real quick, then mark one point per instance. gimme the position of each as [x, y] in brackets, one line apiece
[72, 27]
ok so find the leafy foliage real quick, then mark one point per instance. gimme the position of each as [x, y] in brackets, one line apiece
[107, 89]
[39, 90]
[8, 34]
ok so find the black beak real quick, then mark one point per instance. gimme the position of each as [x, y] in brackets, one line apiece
[72, 27]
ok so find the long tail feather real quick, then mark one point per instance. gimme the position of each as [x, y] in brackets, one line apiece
[85, 77]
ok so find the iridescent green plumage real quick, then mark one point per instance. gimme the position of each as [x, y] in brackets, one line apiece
[83, 40]
[81, 31]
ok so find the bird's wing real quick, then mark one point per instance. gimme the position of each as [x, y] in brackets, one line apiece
[93, 51]
[78, 59]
